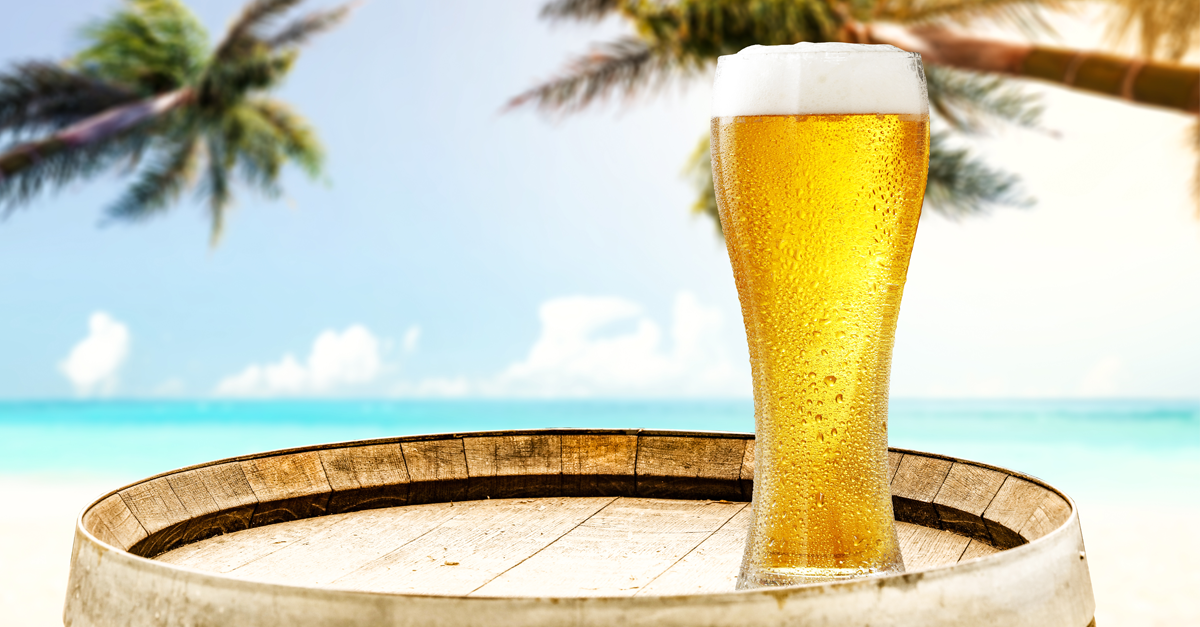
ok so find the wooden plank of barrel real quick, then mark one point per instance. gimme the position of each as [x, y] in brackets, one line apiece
[551, 527]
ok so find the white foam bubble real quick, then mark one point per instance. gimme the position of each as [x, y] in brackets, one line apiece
[809, 78]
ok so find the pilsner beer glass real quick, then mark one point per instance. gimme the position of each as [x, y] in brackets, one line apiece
[820, 154]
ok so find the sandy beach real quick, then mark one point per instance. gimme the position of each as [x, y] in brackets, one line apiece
[1134, 585]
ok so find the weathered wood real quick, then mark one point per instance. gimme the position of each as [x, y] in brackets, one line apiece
[226, 553]
[746, 474]
[620, 547]
[480, 542]
[111, 521]
[502, 467]
[288, 487]
[616, 551]
[710, 567]
[977, 549]
[1022, 511]
[964, 495]
[677, 547]
[161, 513]
[218, 498]
[684, 467]
[923, 547]
[437, 470]
[1049, 515]
[894, 458]
[915, 484]
[598, 464]
[348, 544]
[366, 477]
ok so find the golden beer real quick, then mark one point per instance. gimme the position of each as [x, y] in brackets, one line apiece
[820, 212]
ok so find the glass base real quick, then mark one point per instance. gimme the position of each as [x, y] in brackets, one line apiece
[767, 578]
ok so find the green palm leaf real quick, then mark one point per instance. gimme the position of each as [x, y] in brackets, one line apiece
[146, 92]
[37, 97]
[683, 38]
[159, 184]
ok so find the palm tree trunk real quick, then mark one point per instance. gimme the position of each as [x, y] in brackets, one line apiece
[90, 130]
[1161, 84]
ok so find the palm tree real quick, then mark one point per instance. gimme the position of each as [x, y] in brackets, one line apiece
[149, 95]
[968, 90]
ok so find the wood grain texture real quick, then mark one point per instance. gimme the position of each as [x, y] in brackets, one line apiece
[1051, 513]
[366, 477]
[502, 467]
[521, 547]
[615, 552]
[977, 549]
[437, 470]
[348, 544]
[963, 497]
[1014, 509]
[112, 523]
[598, 465]
[746, 474]
[923, 547]
[558, 547]
[978, 508]
[482, 540]
[686, 467]
[914, 486]
[161, 513]
[710, 567]
[226, 553]
[218, 498]
[288, 487]
[894, 458]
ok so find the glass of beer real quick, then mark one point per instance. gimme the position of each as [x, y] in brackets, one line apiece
[820, 154]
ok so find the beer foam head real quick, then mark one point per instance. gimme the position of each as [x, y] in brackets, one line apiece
[819, 78]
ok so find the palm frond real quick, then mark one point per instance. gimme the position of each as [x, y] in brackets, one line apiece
[624, 66]
[159, 184]
[581, 10]
[1166, 28]
[254, 144]
[1028, 16]
[38, 97]
[294, 135]
[245, 31]
[970, 102]
[153, 46]
[699, 170]
[226, 84]
[300, 30]
[52, 167]
[960, 184]
[702, 30]
[215, 189]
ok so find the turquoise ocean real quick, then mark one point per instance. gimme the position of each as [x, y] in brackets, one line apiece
[1105, 452]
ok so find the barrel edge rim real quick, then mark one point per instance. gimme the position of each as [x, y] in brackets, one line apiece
[1014, 553]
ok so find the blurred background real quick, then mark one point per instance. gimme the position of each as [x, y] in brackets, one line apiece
[481, 243]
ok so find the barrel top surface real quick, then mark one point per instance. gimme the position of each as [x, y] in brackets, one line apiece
[537, 514]
[556, 546]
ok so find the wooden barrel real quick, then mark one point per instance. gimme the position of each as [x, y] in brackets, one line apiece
[550, 527]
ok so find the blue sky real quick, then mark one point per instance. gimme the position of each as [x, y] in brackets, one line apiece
[454, 249]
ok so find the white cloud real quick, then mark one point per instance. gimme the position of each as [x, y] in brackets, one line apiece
[93, 363]
[411, 337]
[351, 357]
[574, 357]
[1101, 378]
